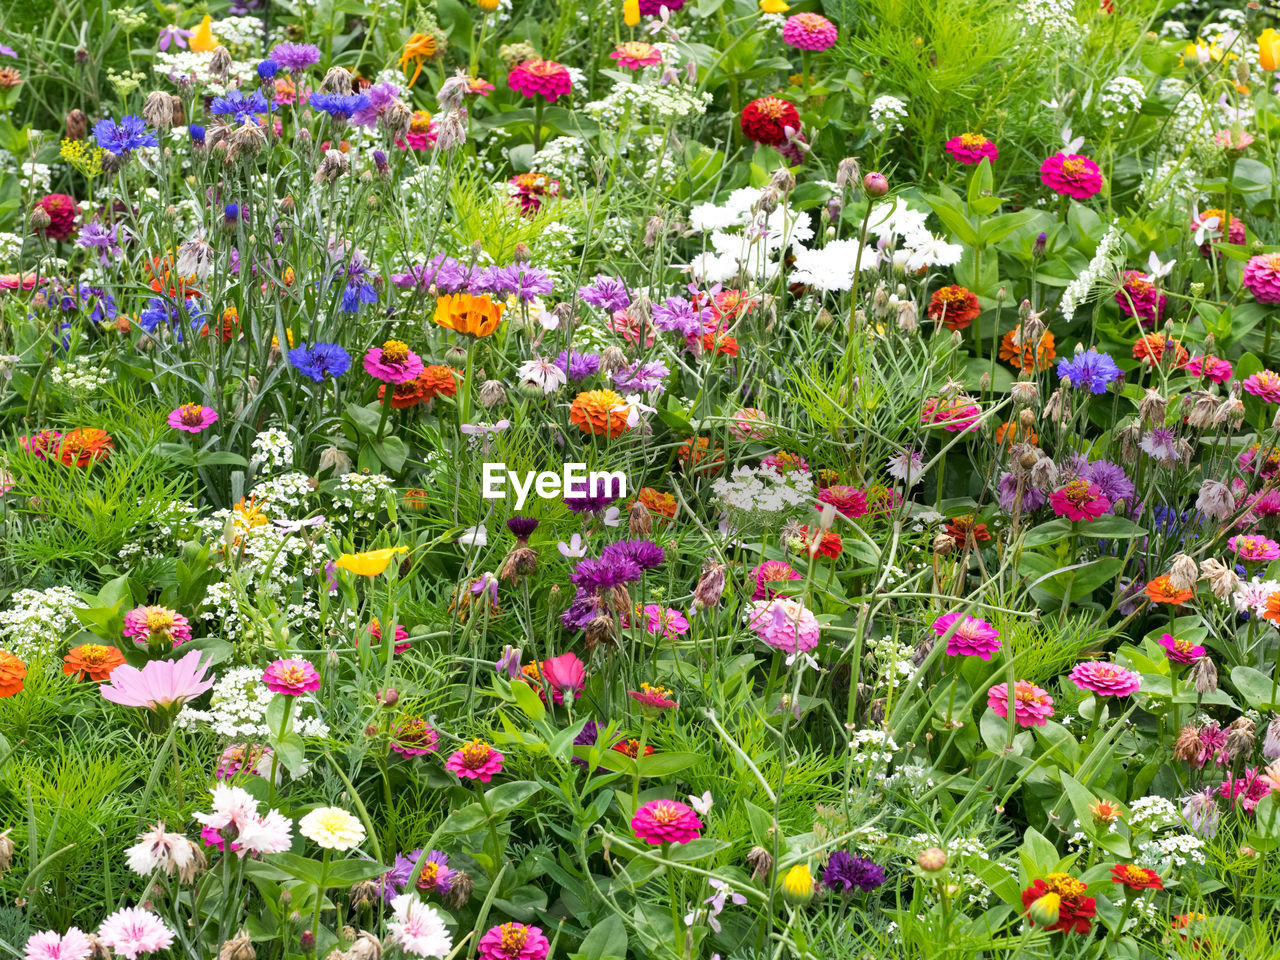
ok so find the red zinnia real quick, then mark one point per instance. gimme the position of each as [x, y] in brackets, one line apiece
[966, 532]
[955, 306]
[767, 119]
[1058, 903]
[62, 212]
[1135, 877]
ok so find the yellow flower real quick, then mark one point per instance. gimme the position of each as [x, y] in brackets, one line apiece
[332, 828]
[370, 563]
[631, 12]
[774, 6]
[203, 40]
[1269, 49]
[418, 49]
[797, 885]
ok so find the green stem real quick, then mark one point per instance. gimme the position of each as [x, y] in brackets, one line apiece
[324, 879]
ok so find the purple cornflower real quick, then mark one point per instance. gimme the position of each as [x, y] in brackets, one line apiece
[1201, 811]
[1007, 494]
[845, 871]
[644, 553]
[587, 738]
[337, 105]
[295, 57]
[320, 360]
[522, 527]
[584, 609]
[236, 104]
[1089, 369]
[578, 366]
[380, 97]
[1161, 444]
[518, 279]
[395, 880]
[589, 501]
[1115, 483]
[642, 377]
[446, 273]
[607, 293]
[120, 138]
[94, 236]
[604, 573]
[681, 316]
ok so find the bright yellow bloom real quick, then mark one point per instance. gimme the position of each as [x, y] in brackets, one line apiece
[418, 49]
[774, 6]
[631, 12]
[370, 563]
[203, 40]
[1045, 910]
[797, 885]
[83, 156]
[1269, 49]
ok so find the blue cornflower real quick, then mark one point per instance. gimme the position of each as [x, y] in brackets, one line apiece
[119, 138]
[320, 360]
[357, 293]
[1089, 369]
[197, 133]
[268, 69]
[157, 311]
[241, 107]
[337, 105]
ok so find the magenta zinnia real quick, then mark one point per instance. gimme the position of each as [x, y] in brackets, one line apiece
[156, 625]
[1079, 500]
[192, 418]
[540, 78]
[1105, 679]
[636, 54]
[1255, 549]
[513, 941]
[393, 362]
[1180, 651]
[972, 149]
[291, 677]
[1071, 174]
[1265, 385]
[666, 821]
[770, 572]
[1262, 277]
[784, 624]
[1032, 707]
[973, 637]
[475, 761]
[850, 501]
[809, 31]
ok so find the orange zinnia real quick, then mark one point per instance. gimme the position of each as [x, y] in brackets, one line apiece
[1022, 356]
[1150, 350]
[475, 315]
[418, 49]
[438, 381]
[655, 501]
[12, 673]
[955, 306]
[599, 412]
[1160, 590]
[84, 446]
[1012, 431]
[1272, 611]
[416, 498]
[92, 660]
[699, 453]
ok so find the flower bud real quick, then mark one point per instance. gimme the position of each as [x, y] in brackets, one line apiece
[797, 885]
[932, 860]
[307, 942]
[1044, 910]
[760, 861]
[239, 947]
[875, 184]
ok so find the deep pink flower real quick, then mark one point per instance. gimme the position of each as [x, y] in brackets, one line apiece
[192, 418]
[1139, 297]
[1255, 549]
[665, 620]
[1079, 500]
[1265, 385]
[809, 31]
[771, 571]
[564, 674]
[952, 416]
[1071, 174]
[392, 362]
[784, 623]
[291, 677]
[413, 737]
[1180, 651]
[666, 821]
[540, 78]
[1248, 790]
[636, 54]
[401, 640]
[156, 625]
[972, 149]
[513, 941]
[850, 501]
[974, 637]
[1105, 679]
[1215, 368]
[1262, 277]
[1032, 707]
[475, 761]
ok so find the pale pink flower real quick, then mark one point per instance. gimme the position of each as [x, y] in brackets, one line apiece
[160, 685]
[47, 945]
[133, 931]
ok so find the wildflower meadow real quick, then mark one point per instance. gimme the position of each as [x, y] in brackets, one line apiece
[639, 479]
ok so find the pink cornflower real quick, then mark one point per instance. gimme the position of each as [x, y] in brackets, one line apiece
[1255, 549]
[540, 78]
[192, 418]
[513, 941]
[974, 637]
[850, 501]
[1032, 707]
[1180, 651]
[161, 685]
[475, 761]
[771, 571]
[1079, 500]
[132, 931]
[666, 821]
[1214, 368]
[291, 677]
[972, 149]
[156, 625]
[809, 31]
[952, 416]
[636, 54]
[1265, 384]
[1247, 790]
[1262, 277]
[1071, 174]
[564, 674]
[393, 362]
[47, 945]
[784, 461]
[666, 621]
[1105, 679]
[784, 624]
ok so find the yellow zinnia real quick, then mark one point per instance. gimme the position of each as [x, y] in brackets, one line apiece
[371, 563]
[774, 6]
[203, 40]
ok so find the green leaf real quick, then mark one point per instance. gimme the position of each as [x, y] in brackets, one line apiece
[1111, 527]
[955, 220]
[463, 820]
[1047, 533]
[607, 939]
[1254, 686]
[528, 701]
[981, 183]
[506, 796]
[665, 764]
[301, 868]
[343, 873]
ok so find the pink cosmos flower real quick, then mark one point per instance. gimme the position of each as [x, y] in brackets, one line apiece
[291, 677]
[1255, 549]
[670, 623]
[1262, 277]
[1071, 174]
[1265, 385]
[974, 637]
[666, 821]
[972, 149]
[809, 31]
[564, 674]
[47, 945]
[784, 624]
[475, 761]
[1105, 679]
[540, 78]
[132, 931]
[393, 362]
[1180, 651]
[192, 418]
[1079, 500]
[1214, 368]
[160, 685]
[636, 54]
[156, 626]
[771, 571]
[513, 941]
[1032, 707]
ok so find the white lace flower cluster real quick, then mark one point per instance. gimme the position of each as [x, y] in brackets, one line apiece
[1106, 261]
[745, 239]
[1121, 97]
[763, 490]
[80, 377]
[644, 100]
[887, 114]
[238, 709]
[37, 621]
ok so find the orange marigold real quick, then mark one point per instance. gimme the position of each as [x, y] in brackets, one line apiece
[701, 455]
[477, 316]
[85, 446]
[663, 504]
[416, 498]
[1025, 356]
[12, 672]
[1160, 590]
[92, 660]
[599, 412]
[955, 306]
[713, 344]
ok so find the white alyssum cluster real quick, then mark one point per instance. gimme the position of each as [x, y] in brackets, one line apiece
[887, 114]
[238, 709]
[10, 247]
[645, 101]
[1153, 814]
[80, 377]
[284, 495]
[1053, 23]
[362, 495]
[1106, 261]
[1175, 850]
[38, 620]
[762, 490]
[272, 450]
[872, 748]
[563, 158]
[1121, 97]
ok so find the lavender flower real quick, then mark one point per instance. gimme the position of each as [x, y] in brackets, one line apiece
[518, 279]
[94, 236]
[604, 573]
[643, 377]
[678, 315]
[295, 57]
[607, 293]
[644, 553]
[578, 366]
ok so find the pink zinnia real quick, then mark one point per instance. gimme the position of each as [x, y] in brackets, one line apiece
[1214, 368]
[784, 624]
[564, 674]
[1032, 707]
[291, 677]
[1079, 500]
[972, 149]
[664, 620]
[1248, 790]
[192, 418]
[513, 941]
[1180, 651]
[1262, 277]
[156, 625]
[413, 737]
[809, 31]
[41, 444]
[850, 501]
[1255, 549]
[974, 637]
[1265, 384]
[1071, 174]
[666, 821]
[1105, 679]
[401, 636]
[47, 945]
[131, 931]
[540, 78]
[952, 416]
[771, 571]
[475, 761]
[636, 54]
[1139, 297]
[392, 362]
[749, 423]
[159, 685]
